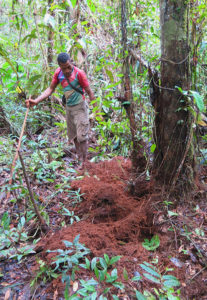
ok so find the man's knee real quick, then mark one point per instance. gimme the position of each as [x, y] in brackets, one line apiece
[82, 132]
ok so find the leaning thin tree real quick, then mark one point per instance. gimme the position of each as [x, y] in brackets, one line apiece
[174, 161]
[137, 155]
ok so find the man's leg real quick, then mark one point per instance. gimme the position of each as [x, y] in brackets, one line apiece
[71, 128]
[78, 148]
[81, 141]
[83, 150]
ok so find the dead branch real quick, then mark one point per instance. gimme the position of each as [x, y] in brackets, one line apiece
[138, 57]
[42, 222]
[16, 154]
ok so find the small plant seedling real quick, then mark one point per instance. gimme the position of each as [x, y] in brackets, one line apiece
[44, 273]
[100, 266]
[152, 244]
[71, 215]
[166, 282]
[11, 237]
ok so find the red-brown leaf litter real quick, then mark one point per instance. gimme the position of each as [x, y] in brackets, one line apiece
[111, 218]
[115, 222]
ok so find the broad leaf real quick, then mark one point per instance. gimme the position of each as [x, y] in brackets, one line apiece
[103, 263]
[73, 2]
[106, 258]
[110, 75]
[171, 283]
[199, 100]
[93, 263]
[114, 259]
[76, 239]
[91, 5]
[140, 296]
[118, 285]
[150, 270]
[152, 148]
[151, 244]
[151, 278]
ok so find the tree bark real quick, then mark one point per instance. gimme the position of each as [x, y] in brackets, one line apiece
[137, 156]
[50, 39]
[174, 162]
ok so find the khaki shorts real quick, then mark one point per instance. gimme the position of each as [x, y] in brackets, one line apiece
[77, 119]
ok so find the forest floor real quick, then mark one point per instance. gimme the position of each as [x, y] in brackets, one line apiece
[115, 219]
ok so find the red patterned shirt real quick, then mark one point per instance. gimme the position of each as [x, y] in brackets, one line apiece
[77, 78]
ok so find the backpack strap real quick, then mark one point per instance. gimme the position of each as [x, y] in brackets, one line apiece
[74, 88]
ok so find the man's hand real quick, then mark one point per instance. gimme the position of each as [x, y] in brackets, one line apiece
[30, 102]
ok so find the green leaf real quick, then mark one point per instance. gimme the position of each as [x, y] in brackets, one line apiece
[76, 239]
[110, 75]
[125, 103]
[106, 290]
[151, 278]
[169, 277]
[67, 243]
[103, 263]
[102, 275]
[110, 279]
[106, 258]
[91, 5]
[5, 221]
[151, 244]
[114, 259]
[102, 298]
[87, 263]
[114, 273]
[140, 296]
[93, 296]
[93, 263]
[83, 266]
[73, 2]
[183, 92]
[199, 100]
[171, 283]
[149, 270]
[22, 221]
[90, 288]
[171, 297]
[32, 79]
[5, 55]
[83, 292]
[152, 148]
[172, 213]
[66, 279]
[136, 278]
[96, 272]
[118, 285]
[75, 297]
[55, 275]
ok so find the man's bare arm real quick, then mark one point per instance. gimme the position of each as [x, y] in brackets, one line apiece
[43, 96]
[90, 93]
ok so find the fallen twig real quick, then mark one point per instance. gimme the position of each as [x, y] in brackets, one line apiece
[16, 154]
[42, 221]
[197, 274]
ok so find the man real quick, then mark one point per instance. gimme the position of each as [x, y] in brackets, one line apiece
[74, 83]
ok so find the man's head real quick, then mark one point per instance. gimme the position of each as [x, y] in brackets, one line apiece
[65, 63]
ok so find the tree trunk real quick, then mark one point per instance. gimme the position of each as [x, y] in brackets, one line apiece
[137, 156]
[174, 162]
[50, 39]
